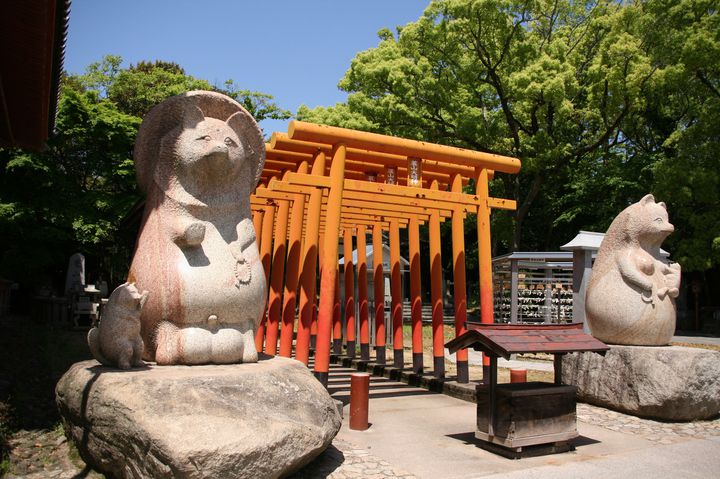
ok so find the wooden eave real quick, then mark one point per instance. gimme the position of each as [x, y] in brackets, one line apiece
[502, 340]
[32, 35]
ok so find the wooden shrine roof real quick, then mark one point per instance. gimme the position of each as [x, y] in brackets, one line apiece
[32, 35]
[506, 339]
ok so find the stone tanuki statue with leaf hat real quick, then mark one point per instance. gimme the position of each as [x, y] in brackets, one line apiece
[631, 296]
[198, 156]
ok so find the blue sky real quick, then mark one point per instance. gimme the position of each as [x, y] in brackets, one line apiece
[296, 51]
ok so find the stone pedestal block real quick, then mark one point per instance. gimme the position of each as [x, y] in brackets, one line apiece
[671, 383]
[254, 420]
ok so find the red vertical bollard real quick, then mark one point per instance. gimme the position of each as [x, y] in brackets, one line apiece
[359, 399]
[518, 375]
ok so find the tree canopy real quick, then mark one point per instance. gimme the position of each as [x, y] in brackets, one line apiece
[602, 101]
[74, 195]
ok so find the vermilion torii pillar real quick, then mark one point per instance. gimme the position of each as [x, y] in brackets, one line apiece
[268, 220]
[379, 294]
[310, 257]
[396, 312]
[459, 288]
[277, 271]
[363, 294]
[349, 292]
[436, 292]
[328, 278]
[415, 294]
[484, 258]
[297, 215]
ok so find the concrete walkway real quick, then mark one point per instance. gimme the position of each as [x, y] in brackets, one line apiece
[416, 433]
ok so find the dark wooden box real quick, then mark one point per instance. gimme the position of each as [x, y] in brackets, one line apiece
[528, 414]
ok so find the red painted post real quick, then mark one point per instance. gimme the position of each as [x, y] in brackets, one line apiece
[363, 295]
[459, 289]
[336, 322]
[396, 292]
[436, 291]
[359, 401]
[277, 278]
[265, 258]
[328, 276]
[307, 327]
[484, 258]
[415, 294]
[518, 375]
[379, 294]
[257, 224]
[316, 299]
[349, 292]
[292, 270]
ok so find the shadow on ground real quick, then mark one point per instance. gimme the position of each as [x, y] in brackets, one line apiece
[324, 465]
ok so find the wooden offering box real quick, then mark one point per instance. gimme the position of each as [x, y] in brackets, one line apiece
[513, 416]
[527, 414]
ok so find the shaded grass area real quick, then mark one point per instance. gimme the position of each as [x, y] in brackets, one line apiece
[33, 356]
[476, 372]
[713, 347]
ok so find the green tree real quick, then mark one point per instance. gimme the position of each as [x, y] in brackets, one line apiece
[680, 128]
[551, 82]
[70, 196]
[258, 104]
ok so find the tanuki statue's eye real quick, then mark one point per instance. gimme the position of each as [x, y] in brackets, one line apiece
[229, 141]
[204, 137]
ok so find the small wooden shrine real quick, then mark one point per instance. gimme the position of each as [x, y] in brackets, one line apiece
[514, 416]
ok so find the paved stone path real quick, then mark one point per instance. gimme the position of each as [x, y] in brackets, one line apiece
[346, 461]
[655, 431]
[342, 460]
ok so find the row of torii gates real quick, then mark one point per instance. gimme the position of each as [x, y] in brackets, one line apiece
[320, 182]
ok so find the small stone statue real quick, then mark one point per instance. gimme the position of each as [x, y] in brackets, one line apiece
[116, 341]
[75, 277]
[198, 157]
[631, 296]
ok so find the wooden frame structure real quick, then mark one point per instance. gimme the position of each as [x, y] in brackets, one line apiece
[321, 182]
[513, 416]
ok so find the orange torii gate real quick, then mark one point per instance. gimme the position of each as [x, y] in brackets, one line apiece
[404, 214]
[339, 197]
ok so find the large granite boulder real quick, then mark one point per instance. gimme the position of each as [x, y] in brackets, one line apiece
[255, 420]
[671, 383]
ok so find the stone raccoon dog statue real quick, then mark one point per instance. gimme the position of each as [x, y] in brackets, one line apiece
[631, 295]
[116, 341]
[198, 157]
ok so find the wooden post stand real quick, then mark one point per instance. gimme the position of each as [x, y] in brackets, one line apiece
[359, 401]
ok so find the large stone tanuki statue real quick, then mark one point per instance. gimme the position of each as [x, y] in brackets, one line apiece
[198, 156]
[631, 296]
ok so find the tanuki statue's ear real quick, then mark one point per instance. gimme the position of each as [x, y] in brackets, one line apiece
[662, 203]
[647, 199]
[251, 138]
[192, 115]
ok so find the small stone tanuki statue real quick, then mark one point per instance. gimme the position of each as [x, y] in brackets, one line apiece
[116, 341]
[631, 296]
[198, 156]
